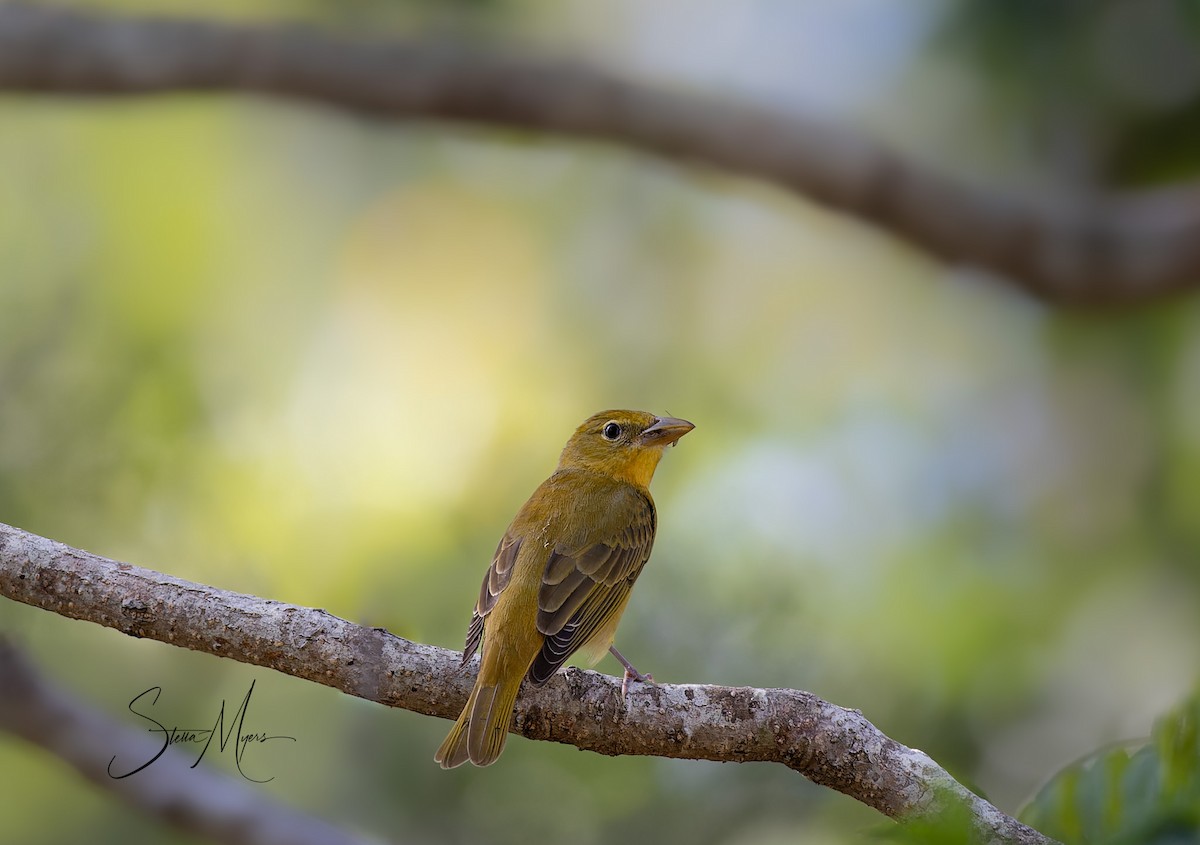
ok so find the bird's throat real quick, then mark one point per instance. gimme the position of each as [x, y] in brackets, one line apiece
[639, 468]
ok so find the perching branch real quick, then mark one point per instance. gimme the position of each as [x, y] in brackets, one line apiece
[196, 800]
[829, 745]
[1081, 251]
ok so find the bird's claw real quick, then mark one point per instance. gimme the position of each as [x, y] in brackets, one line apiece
[630, 672]
[634, 675]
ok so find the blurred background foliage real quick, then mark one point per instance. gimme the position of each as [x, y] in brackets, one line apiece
[321, 359]
[1150, 795]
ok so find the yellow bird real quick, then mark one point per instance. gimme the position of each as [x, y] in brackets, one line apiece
[561, 576]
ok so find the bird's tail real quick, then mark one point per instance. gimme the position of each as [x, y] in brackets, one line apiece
[454, 747]
[482, 728]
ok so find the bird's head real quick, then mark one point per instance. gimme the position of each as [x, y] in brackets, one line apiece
[622, 444]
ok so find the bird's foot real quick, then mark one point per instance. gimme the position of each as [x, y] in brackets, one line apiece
[631, 674]
[634, 676]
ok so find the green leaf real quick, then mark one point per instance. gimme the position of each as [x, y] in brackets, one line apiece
[1114, 798]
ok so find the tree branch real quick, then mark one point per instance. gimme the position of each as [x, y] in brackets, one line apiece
[196, 800]
[1083, 251]
[829, 745]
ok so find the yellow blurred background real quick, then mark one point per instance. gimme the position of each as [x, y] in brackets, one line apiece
[293, 353]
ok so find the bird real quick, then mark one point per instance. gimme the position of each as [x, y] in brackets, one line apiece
[562, 573]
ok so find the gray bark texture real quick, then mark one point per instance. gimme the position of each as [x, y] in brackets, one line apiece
[829, 745]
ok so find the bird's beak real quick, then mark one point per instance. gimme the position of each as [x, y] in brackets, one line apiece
[665, 431]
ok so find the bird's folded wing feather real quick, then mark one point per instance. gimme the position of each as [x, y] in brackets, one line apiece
[582, 588]
[496, 579]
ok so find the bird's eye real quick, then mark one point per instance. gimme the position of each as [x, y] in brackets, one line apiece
[611, 431]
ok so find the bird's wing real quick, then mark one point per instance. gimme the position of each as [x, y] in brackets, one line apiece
[494, 581]
[582, 588]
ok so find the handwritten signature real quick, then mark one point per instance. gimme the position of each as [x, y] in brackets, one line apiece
[237, 735]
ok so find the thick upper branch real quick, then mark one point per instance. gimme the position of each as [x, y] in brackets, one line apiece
[1089, 251]
[828, 744]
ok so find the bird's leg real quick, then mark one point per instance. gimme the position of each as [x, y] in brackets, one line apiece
[630, 672]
